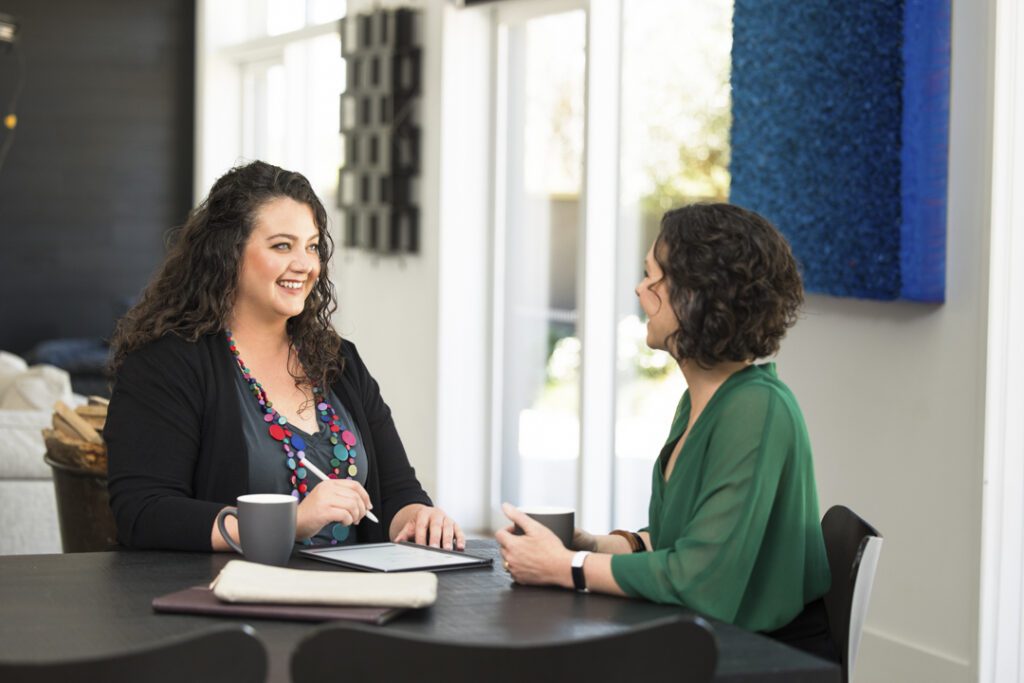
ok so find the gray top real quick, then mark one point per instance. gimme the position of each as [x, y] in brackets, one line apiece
[268, 467]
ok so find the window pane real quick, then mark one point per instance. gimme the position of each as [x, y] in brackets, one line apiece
[674, 150]
[262, 111]
[325, 10]
[315, 78]
[326, 80]
[284, 16]
[290, 110]
[275, 136]
[231, 22]
[543, 137]
[228, 22]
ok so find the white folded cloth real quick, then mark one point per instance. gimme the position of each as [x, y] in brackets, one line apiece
[33, 388]
[241, 581]
[10, 367]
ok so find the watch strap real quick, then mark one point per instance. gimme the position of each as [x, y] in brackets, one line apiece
[579, 579]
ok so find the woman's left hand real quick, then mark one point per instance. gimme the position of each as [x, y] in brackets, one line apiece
[429, 526]
[536, 557]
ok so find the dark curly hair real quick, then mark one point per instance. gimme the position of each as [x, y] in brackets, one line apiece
[733, 283]
[193, 292]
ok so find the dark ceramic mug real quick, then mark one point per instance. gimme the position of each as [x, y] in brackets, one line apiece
[266, 527]
[562, 521]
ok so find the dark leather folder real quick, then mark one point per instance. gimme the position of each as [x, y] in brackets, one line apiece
[201, 600]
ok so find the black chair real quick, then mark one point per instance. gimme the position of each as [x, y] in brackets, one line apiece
[675, 648]
[853, 547]
[227, 654]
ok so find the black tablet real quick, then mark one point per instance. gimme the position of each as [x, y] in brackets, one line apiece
[395, 557]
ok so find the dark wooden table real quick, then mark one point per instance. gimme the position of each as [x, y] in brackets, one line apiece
[68, 606]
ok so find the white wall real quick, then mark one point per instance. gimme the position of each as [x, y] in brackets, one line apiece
[422, 322]
[389, 306]
[894, 396]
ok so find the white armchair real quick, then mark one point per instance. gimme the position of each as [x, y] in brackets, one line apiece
[28, 509]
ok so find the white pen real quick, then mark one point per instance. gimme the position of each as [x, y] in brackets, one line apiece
[323, 477]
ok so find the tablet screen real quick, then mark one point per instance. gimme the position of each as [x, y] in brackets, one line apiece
[394, 557]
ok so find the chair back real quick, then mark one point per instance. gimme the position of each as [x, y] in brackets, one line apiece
[853, 547]
[683, 648]
[227, 654]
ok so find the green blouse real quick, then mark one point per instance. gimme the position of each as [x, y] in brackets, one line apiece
[735, 531]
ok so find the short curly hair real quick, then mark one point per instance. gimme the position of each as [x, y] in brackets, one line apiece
[733, 283]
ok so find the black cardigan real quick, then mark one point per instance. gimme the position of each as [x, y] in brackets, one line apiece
[177, 451]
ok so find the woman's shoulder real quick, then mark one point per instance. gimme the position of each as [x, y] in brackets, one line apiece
[172, 345]
[348, 349]
[758, 405]
[761, 380]
[352, 362]
[353, 368]
[169, 355]
[758, 388]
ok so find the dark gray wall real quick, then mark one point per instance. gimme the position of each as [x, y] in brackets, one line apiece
[101, 166]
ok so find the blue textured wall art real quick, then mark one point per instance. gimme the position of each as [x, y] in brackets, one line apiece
[840, 137]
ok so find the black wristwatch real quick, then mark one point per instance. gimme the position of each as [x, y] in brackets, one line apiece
[579, 580]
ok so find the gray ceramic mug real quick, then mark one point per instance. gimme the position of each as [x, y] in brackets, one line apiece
[561, 521]
[266, 527]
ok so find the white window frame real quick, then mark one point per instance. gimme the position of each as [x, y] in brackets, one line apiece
[598, 271]
[219, 97]
[1000, 633]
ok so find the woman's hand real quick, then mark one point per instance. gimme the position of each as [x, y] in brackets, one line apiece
[537, 556]
[427, 526]
[332, 500]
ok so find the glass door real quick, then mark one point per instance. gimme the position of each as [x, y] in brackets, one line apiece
[541, 65]
[674, 150]
[607, 114]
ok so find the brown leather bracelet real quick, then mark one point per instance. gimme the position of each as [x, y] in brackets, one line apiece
[636, 543]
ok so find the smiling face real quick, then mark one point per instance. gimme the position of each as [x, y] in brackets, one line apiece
[280, 262]
[654, 300]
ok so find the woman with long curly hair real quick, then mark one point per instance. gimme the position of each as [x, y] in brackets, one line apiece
[228, 378]
[733, 527]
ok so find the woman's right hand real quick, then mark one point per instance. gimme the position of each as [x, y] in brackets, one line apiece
[333, 500]
[583, 540]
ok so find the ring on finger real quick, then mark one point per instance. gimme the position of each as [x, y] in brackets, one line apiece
[505, 563]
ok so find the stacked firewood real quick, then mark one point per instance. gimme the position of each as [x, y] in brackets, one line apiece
[76, 438]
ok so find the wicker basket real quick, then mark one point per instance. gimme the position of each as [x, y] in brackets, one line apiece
[78, 456]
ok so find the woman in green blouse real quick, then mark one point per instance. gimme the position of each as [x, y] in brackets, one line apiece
[733, 529]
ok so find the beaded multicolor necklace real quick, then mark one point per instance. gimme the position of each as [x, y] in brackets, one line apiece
[343, 441]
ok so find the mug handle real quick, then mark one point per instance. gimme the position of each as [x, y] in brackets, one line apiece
[224, 532]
